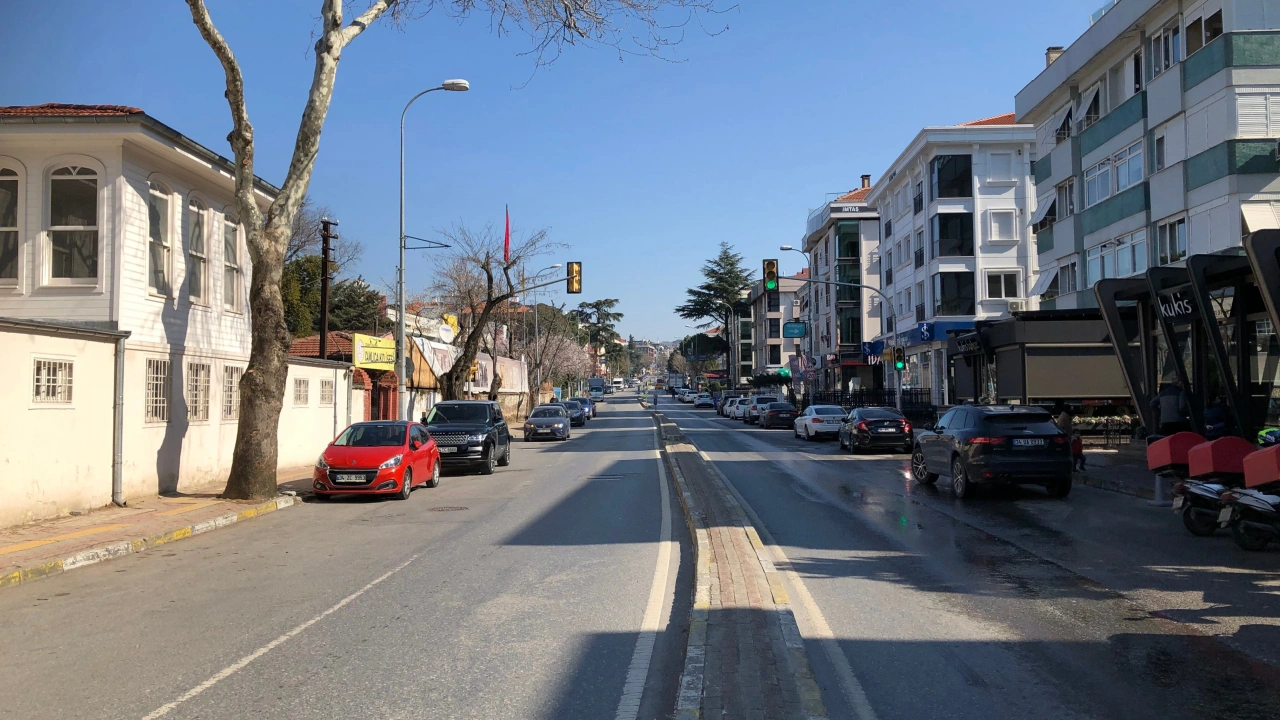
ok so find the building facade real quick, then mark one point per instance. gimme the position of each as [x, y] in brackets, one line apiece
[770, 310]
[955, 247]
[1156, 139]
[841, 239]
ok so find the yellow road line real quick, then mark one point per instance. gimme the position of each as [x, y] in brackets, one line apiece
[19, 547]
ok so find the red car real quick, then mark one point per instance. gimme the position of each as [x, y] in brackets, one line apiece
[378, 458]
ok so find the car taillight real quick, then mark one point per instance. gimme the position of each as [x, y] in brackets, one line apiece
[862, 425]
[817, 421]
[1060, 440]
[906, 427]
[986, 441]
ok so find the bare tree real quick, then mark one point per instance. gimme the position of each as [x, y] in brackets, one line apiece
[304, 238]
[639, 26]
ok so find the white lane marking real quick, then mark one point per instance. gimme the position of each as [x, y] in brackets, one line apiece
[650, 626]
[818, 629]
[244, 661]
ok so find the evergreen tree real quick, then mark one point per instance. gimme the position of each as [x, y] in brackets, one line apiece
[726, 278]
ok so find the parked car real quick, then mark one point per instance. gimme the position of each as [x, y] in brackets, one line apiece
[872, 428]
[755, 406]
[472, 434]
[703, 400]
[722, 403]
[587, 405]
[729, 406]
[1006, 444]
[577, 414]
[377, 458]
[548, 422]
[777, 414]
[817, 421]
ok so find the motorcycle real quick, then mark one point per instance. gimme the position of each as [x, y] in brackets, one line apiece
[1200, 503]
[1253, 513]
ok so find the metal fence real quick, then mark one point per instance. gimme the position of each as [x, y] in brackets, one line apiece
[917, 403]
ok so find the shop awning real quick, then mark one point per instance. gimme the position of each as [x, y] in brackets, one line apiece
[1043, 210]
[1043, 281]
[1259, 216]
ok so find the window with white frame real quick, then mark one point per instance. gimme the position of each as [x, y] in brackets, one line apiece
[73, 224]
[231, 392]
[197, 255]
[326, 393]
[1158, 149]
[1065, 282]
[1258, 114]
[1063, 131]
[1165, 49]
[1000, 167]
[301, 391]
[231, 264]
[1003, 225]
[1127, 165]
[1171, 241]
[156, 402]
[1066, 205]
[8, 226]
[1097, 183]
[52, 382]
[198, 379]
[1122, 257]
[1003, 285]
[158, 239]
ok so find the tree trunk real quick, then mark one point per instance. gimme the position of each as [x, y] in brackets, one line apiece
[262, 387]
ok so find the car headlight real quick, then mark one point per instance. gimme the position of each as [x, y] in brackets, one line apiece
[528, 426]
[474, 439]
[393, 462]
[320, 463]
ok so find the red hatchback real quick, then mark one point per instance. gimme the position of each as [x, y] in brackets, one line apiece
[378, 458]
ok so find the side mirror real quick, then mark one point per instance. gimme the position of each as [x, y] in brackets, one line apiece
[928, 426]
[415, 445]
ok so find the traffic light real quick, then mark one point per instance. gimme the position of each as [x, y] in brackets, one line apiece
[475, 370]
[573, 282]
[770, 275]
[899, 359]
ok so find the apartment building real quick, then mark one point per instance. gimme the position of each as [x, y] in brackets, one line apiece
[841, 238]
[956, 246]
[770, 310]
[1156, 138]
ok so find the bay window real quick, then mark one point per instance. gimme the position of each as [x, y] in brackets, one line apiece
[952, 176]
[953, 294]
[953, 235]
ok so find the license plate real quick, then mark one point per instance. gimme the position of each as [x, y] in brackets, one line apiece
[448, 449]
[888, 430]
[1225, 515]
[1028, 442]
[1178, 502]
[542, 431]
[348, 478]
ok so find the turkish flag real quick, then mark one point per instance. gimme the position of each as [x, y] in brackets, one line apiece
[506, 242]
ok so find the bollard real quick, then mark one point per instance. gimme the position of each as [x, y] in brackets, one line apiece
[1160, 496]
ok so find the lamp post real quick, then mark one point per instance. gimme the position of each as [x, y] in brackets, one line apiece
[731, 362]
[537, 347]
[402, 411]
[813, 326]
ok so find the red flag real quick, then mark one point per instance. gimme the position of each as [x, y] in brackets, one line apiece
[506, 243]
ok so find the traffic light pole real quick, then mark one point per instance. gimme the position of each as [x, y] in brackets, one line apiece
[884, 302]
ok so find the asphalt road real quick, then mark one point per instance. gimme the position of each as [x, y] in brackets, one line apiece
[1008, 605]
[519, 595]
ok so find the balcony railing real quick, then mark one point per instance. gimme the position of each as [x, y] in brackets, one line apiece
[919, 257]
[918, 204]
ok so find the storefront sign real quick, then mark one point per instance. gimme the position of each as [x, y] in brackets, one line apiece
[1176, 305]
[970, 344]
[373, 353]
[926, 331]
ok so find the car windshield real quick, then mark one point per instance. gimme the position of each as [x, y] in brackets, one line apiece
[547, 413]
[373, 435]
[582, 401]
[460, 413]
[879, 415]
[828, 410]
[573, 405]
[781, 406]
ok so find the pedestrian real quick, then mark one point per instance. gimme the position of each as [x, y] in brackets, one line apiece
[1170, 408]
[1215, 419]
[1077, 452]
[1064, 419]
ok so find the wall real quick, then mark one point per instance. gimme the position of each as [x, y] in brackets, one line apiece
[55, 459]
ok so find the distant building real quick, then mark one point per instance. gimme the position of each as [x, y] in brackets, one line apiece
[770, 310]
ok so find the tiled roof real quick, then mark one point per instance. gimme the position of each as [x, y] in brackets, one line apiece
[339, 345]
[802, 275]
[1005, 119]
[65, 110]
[859, 195]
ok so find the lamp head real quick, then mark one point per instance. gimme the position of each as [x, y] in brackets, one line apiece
[458, 85]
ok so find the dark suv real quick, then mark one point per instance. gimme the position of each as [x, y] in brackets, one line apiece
[1005, 444]
[471, 434]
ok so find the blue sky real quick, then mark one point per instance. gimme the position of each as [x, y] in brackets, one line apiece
[642, 166]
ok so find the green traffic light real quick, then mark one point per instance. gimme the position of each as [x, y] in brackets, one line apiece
[785, 372]
[770, 284]
[899, 365]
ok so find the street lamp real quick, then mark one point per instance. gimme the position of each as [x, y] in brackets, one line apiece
[537, 347]
[730, 356]
[813, 326]
[402, 397]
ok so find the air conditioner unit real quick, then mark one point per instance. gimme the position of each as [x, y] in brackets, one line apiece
[1017, 305]
[795, 302]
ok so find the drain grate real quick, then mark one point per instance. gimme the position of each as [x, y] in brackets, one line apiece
[446, 508]
[605, 477]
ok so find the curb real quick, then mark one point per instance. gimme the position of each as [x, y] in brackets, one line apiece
[95, 555]
[1146, 493]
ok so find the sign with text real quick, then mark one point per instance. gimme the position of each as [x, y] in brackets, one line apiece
[373, 353]
[1176, 305]
[795, 329]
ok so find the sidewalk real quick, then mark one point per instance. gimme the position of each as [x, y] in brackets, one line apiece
[745, 658]
[1123, 470]
[31, 552]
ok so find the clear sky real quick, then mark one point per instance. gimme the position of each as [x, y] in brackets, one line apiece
[642, 166]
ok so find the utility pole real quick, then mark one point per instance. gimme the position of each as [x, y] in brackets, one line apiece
[327, 235]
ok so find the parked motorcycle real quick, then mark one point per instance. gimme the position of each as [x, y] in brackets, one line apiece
[1253, 514]
[1200, 504]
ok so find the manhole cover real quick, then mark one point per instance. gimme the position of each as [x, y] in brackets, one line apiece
[446, 508]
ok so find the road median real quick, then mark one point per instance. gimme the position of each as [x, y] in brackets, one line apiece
[745, 655]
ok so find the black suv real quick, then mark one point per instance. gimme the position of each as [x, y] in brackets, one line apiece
[1007, 444]
[471, 434]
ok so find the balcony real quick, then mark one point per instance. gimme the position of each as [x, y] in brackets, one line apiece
[919, 258]
[920, 313]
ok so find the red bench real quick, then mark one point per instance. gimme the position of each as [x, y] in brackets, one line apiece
[1169, 454]
[1262, 467]
[1219, 459]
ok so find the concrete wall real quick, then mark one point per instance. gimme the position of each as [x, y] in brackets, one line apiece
[55, 458]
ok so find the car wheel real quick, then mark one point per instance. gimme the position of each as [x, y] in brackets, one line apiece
[406, 486]
[959, 479]
[1062, 488]
[527, 438]
[920, 471]
[435, 475]
[505, 460]
[489, 461]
